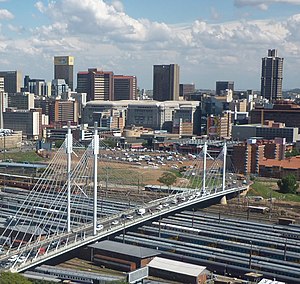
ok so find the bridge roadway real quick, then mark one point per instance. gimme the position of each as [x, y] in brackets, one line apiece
[60, 244]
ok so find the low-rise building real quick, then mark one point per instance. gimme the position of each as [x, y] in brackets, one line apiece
[177, 271]
[269, 130]
[278, 169]
[121, 256]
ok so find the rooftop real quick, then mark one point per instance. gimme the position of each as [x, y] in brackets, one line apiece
[125, 249]
[290, 163]
[176, 266]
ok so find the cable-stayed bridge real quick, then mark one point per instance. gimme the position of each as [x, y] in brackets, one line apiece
[73, 204]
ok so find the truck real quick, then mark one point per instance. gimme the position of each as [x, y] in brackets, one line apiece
[141, 211]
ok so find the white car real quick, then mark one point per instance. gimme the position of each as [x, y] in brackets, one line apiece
[115, 222]
[13, 258]
[130, 217]
[99, 227]
[21, 259]
[159, 207]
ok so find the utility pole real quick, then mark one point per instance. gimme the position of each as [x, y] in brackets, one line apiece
[69, 150]
[96, 152]
[204, 166]
[224, 166]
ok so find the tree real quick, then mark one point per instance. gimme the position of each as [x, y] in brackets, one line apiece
[167, 178]
[13, 278]
[288, 184]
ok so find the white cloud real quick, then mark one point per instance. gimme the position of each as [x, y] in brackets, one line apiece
[102, 35]
[5, 15]
[263, 4]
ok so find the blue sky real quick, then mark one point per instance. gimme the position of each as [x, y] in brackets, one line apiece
[211, 40]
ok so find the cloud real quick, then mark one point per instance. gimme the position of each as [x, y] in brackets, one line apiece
[100, 34]
[263, 4]
[5, 15]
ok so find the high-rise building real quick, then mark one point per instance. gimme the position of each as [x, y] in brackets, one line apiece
[166, 82]
[12, 81]
[98, 85]
[24, 100]
[64, 69]
[185, 89]
[222, 86]
[271, 76]
[125, 88]
[39, 87]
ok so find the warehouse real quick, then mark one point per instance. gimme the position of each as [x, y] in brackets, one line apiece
[177, 271]
[121, 256]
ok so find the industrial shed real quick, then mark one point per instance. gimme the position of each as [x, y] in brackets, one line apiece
[177, 271]
[121, 256]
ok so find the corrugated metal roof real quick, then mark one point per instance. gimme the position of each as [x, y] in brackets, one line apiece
[176, 266]
[125, 249]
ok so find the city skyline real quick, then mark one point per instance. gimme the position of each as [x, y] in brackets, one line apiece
[210, 42]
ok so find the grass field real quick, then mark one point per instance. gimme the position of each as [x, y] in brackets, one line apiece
[268, 189]
[28, 156]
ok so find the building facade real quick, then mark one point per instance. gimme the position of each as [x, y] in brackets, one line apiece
[24, 100]
[270, 130]
[166, 82]
[23, 120]
[98, 85]
[185, 89]
[39, 87]
[247, 156]
[64, 69]
[1, 84]
[149, 114]
[271, 76]
[125, 88]
[284, 112]
[12, 81]
[222, 86]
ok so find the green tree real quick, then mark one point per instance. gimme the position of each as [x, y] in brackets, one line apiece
[288, 184]
[13, 278]
[167, 178]
[292, 153]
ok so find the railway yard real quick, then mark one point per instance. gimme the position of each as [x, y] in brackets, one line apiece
[226, 245]
[229, 239]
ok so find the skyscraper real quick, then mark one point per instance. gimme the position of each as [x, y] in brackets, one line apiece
[64, 69]
[12, 81]
[166, 82]
[125, 88]
[271, 76]
[97, 84]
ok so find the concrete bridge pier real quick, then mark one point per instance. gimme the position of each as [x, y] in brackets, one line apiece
[223, 200]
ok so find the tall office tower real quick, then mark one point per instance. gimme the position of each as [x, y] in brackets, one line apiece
[222, 86]
[39, 87]
[12, 81]
[125, 88]
[98, 85]
[166, 82]
[64, 69]
[271, 76]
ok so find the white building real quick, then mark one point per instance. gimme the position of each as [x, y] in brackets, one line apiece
[149, 114]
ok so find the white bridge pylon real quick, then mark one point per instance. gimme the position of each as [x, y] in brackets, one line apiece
[68, 197]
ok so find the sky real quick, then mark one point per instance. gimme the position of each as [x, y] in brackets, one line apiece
[211, 40]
